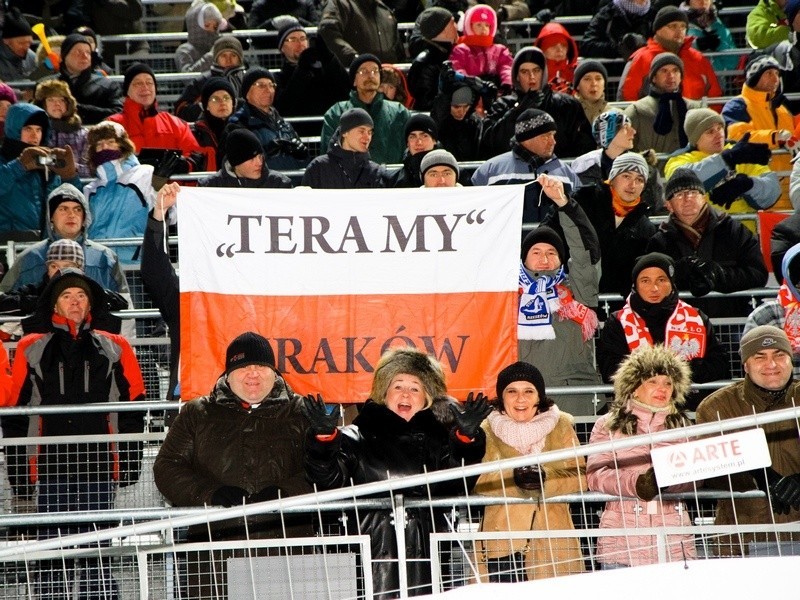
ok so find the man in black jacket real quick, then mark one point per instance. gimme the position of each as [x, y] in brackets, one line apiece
[438, 33]
[244, 165]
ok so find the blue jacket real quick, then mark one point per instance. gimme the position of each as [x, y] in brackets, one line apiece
[23, 193]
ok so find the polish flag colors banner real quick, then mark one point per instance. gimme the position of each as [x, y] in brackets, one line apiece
[334, 278]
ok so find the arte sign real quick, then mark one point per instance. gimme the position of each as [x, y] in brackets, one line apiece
[333, 278]
[711, 457]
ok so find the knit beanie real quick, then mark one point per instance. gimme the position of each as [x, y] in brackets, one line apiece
[543, 235]
[15, 25]
[756, 67]
[432, 21]
[667, 15]
[134, 70]
[215, 84]
[520, 371]
[532, 122]
[461, 96]
[69, 278]
[67, 250]
[71, 40]
[607, 125]
[247, 349]
[242, 145]
[531, 55]
[588, 66]
[438, 158]
[698, 121]
[408, 361]
[422, 122]
[227, 42]
[251, 77]
[682, 180]
[287, 28]
[763, 337]
[662, 60]
[360, 60]
[6, 93]
[654, 259]
[629, 162]
[354, 117]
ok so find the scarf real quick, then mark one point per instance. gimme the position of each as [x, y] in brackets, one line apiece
[791, 316]
[685, 332]
[663, 122]
[621, 208]
[534, 160]
[592, 108]
[695, 231]
[525, 438]
[630, 7]
[542, 297]
[481, 41]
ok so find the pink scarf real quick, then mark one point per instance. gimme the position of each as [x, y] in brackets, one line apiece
[525, 438]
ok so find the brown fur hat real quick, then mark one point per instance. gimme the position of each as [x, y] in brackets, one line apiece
[409, 361]
[53, 88]
[107, 130]
[634, 370]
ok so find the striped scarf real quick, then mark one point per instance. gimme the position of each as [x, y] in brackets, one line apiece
[791, 316]
[685, 331]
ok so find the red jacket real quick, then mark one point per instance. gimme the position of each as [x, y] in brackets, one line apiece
[698, 79]
[559, 74]
[155, 129]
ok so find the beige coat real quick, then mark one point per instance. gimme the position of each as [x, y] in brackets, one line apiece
[543, 557]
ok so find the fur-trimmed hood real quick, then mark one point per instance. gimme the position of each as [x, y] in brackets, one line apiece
[642, 364]
[51, 88]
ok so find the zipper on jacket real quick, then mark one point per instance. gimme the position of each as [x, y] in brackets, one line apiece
[61, 377]
[86, 377]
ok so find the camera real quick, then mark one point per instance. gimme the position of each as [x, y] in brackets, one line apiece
[50, 161]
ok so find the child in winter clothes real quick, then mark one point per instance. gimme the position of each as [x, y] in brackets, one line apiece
[476, 54]
[561, 53]
[204, 22]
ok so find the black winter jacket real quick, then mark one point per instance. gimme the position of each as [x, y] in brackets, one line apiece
[423, 74]
[188, 107]
[226, 178]
[381, 444]
[342, 169]
[607, 28]
[97, 96]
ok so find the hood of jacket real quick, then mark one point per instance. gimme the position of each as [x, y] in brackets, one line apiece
[16, 119]
[552, 29]
[67, 190]
[196, 35]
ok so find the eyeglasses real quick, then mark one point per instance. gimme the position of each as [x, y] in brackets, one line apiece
[363, 72]
[144, 83]
[296, 40]
[686, 195]
[226, 99]
[262, 85]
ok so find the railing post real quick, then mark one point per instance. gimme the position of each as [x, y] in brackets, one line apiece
[399, 515]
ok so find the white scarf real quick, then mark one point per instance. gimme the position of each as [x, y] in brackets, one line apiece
[525, 438]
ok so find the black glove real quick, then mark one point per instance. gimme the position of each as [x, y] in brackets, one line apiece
[475, 411]
[229, 495]
[766, 480]
[630, 43]
[787, 491]
[502, 14]
[544, 16]
[529, 478]
[294, 148]
[322, 422]
[169, 164]
[709, 41]
[746, 153]
[309, 60]
[130, 462]
[727, 193]
[704, 276]
[646, 486]
[271, 492]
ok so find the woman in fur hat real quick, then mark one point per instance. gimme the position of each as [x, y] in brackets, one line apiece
[526, 421]
[650, 388]
[408, 427]
[66, 128]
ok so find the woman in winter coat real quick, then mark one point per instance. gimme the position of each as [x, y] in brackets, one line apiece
[406, 428]
[218, 101]
[650, 389]
[653, 314]
[525, 421]
[476, 54]
[66, 129]
[556, 324]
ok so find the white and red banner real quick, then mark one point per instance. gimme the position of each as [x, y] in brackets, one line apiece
[333, 278]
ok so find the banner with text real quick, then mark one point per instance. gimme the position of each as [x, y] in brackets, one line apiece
[333, 278]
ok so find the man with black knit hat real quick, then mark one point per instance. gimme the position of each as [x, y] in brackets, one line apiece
[532, 152]
[244, 165]
[97, 96]
[556, 321]
[389, 117]
[229, 63]
[17, 60]
[422, 136]
[311, 80]
[589, 87]
[669, 35]
[351, 28]
[283, 147]
[712, 252]
[347, 163]
[149, 127]
[767, 386]
[658, 117]
[531, 91]
[431, 42]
